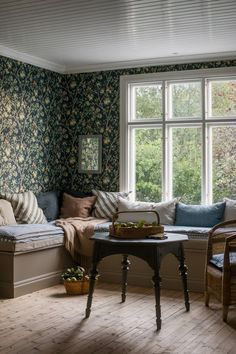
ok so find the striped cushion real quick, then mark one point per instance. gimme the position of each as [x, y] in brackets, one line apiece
[25, 208]
[107, 203]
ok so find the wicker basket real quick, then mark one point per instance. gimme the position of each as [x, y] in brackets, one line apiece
[78, 287]
[136, 232]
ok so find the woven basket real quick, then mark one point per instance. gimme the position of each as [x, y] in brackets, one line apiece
[78, 287]
[136, 232]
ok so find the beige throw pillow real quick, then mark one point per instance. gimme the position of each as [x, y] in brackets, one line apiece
[77, 207]
[6, 213]
[166, 211]
[230, 209]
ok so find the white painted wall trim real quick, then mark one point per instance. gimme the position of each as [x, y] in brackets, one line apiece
[63, 69]
[150, 62]
[29, 59]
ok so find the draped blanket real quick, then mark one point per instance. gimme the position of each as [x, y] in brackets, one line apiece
[77, 236]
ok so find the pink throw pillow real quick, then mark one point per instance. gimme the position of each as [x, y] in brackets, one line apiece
[77, 207]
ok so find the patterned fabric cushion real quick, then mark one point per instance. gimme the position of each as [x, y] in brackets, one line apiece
[218, 260]
[107, 203]
[25, 208]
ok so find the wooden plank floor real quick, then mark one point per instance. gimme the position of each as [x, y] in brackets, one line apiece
[49, 321]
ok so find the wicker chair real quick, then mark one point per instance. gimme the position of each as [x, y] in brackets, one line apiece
[220, 272]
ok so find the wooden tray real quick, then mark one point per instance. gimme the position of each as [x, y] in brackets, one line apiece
[135, 232]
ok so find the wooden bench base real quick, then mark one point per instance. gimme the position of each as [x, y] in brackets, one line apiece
[24, 272]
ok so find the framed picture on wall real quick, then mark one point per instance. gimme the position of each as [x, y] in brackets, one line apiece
[90, 153]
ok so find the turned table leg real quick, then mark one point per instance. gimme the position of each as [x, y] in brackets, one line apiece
[92, 281]
[183, 272]
[157, 288]
[125, 267]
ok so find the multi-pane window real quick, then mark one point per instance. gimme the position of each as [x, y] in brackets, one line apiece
[179, 137]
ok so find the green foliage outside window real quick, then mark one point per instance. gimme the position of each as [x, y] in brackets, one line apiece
[186, 100]
[223, 98]
[187, 144]
[148, 144]
[149, 102]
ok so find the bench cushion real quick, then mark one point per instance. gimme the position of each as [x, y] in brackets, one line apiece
[19, 238]
[194, 233]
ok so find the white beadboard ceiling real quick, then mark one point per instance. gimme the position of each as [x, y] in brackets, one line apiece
[85, 35]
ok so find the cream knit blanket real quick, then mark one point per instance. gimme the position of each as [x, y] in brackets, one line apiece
[77, 235]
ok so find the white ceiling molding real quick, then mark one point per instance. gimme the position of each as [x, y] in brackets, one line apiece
[30, 59]
[151, 62]
[42, 63]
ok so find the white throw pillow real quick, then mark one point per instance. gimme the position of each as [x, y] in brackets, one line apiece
[166, 211]
[230, 209]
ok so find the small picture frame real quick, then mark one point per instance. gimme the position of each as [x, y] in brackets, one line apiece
[90, 153]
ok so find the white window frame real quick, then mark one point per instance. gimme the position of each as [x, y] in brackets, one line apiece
[127, 123]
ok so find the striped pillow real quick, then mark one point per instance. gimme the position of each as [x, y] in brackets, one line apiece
[107, 203]
[25, 208]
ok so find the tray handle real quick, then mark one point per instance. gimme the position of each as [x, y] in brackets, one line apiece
[115, 216]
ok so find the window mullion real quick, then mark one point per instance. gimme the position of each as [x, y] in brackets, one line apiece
[209, 163]
[132, 161]
[164, 142]
[204, 184]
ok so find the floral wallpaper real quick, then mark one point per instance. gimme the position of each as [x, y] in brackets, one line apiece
[32, 102]
[42, 114]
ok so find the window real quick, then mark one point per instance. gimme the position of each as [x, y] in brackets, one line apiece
[178, 135]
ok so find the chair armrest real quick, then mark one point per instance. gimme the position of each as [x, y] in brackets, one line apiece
[223, 224]
[214, 237]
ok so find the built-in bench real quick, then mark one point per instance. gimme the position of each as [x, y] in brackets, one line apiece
[31, 261]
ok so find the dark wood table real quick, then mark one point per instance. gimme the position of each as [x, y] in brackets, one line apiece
[150, 250]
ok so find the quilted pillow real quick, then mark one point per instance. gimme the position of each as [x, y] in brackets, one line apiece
[107, 203]
[25, 208]
[6, 213]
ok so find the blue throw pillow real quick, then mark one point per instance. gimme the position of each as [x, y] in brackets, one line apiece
[199, 215]
[49, 203]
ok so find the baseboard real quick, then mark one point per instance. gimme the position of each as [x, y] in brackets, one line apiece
[29, 285]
